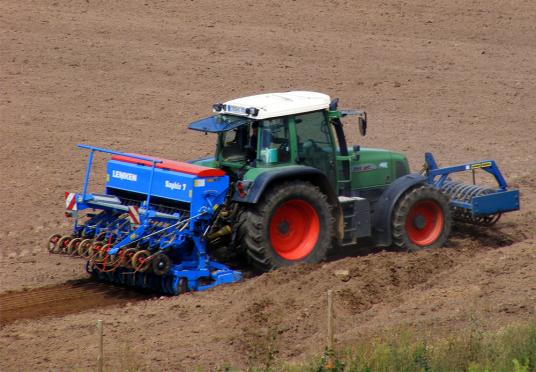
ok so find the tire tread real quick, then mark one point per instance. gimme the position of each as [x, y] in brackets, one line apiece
[252, 226]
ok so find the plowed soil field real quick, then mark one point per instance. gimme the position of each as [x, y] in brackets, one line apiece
[456, 78]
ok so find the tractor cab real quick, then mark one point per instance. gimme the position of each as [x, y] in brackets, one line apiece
[273, 130]
[259, 133]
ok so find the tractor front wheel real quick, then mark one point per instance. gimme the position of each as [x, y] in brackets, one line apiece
[292, 223]
[421, 219]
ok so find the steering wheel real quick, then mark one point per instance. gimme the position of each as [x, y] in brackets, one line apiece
[311, 144]
[283, 146]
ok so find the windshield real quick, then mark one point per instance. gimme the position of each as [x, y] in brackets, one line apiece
[263, 142]
[219, 123]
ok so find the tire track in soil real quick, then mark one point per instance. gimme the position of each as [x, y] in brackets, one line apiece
[63, 299]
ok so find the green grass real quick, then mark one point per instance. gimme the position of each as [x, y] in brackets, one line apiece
[512, 349]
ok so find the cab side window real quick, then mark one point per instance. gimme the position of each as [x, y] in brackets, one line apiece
[314, 140]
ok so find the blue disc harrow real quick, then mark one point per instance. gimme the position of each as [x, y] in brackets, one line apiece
[472, 203]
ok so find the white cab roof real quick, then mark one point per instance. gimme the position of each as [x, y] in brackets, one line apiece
[277, 104]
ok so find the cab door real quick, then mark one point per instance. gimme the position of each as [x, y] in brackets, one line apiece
[315, 146]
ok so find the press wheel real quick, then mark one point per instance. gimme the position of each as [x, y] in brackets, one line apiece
[161, 263]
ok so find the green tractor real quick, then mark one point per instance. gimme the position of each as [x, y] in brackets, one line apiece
[283, 188]
[299, 190]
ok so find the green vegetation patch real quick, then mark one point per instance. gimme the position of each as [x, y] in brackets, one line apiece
[511, 349]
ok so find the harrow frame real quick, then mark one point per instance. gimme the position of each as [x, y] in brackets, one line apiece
[487, 203]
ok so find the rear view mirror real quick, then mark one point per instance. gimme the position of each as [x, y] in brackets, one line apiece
[363, 125]
[361, 116]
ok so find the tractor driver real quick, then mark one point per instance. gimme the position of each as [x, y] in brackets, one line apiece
[252, 146]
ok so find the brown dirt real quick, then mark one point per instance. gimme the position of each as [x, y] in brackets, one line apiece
[62, 299]
[455, 78]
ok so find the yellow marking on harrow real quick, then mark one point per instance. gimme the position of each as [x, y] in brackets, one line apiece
[485, 164]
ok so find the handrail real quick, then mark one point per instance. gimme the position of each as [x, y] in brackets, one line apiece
[434, 171]
[92, 149]
[118, 153]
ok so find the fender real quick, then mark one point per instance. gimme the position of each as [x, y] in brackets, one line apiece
[383, 210]
[277, 175]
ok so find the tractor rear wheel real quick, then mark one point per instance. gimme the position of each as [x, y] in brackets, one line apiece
[421, 219]
[292, 223]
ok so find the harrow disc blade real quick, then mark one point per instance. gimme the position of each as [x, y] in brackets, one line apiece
[94, 250]
[127, 258]
[139, 261]
[72, 248]
[63, 243]
[52, 242]
[101, 236]
[83, 248]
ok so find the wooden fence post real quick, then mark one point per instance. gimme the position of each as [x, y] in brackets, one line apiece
[330, 319]
[100, 358]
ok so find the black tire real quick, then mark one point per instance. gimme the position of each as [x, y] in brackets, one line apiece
[429, 210]
[254, 226]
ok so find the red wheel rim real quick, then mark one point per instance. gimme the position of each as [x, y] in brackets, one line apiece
[424, 222]
[294, 229]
